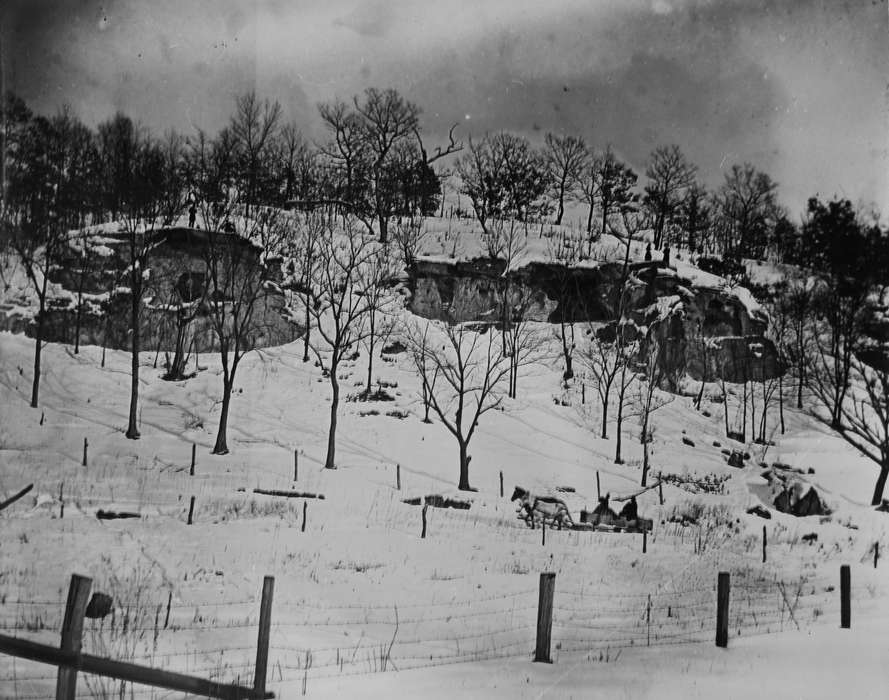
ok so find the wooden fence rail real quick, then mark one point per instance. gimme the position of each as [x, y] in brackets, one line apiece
[70, 659]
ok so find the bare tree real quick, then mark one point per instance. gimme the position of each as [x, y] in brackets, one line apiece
[562, 253]
[304, 243]
[462, 371]
[522, 341]
[609, 183]
[865, 414]
[339, 307]
[565, 157]
[239, 284]
[141, 204]
[670, 176]
[649, 400]
[408, 236]
[254, 127]
[504, 177]
[41, 202]
[381, 302]
[746, 207]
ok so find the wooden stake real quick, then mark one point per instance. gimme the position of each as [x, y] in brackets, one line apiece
[501, 483]
[660, 491]
[876, 553]
[764, 543]
[543, 532]
[296, 464]
[845, 597]
[648, 622]
[85, 446]
[193, 450]
[62, 505]
[722, 597]
[423, 534]
[398, 477]
[598, 486]
[262, 643]
[644, 541]
[583, 393]
[305, 509]
[169, 603]
[545, 617]
[42, 417]
[72, 634]
[190, 510]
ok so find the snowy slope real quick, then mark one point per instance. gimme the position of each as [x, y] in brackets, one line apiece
[467, 592]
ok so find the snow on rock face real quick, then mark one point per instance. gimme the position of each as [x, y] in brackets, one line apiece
[680, 310]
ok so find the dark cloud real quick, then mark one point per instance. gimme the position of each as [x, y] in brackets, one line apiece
[796, 86]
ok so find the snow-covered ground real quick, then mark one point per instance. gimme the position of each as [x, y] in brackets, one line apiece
[366, 608]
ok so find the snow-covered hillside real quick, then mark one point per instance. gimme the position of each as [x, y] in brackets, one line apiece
[361, 599]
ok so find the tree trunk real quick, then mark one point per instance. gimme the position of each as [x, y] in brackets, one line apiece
[370, 354]
[781, 401]
[132, 427]
[620, 415]
[744, 414]
[724, 405]
[464, 467]
[221, 447]
[605, 416]
[569, 370]
[306, 336]
[561, 211]
[644, 460]
[589, 222]
[330, 463]
[881, 484]
[801, 379]
[384, 229]
[38, 349]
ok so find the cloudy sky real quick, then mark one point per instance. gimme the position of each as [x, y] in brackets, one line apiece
[797, 87]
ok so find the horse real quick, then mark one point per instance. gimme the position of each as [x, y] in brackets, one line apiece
[543, 508]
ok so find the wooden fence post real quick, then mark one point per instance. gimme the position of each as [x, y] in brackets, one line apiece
[72, 634]
[296, 464]
[598, 486]
[545, 617]
[764, 542]
[501, 483]
[262, 643]
[543, 532]
[193, 450]
[423, 534]
[305, 508]
[582, 393]
[169, 604]
[190, 510]
[648, 622]
[85, 446]
[644, 541]
[398, 477]
[845, 597]
[660, 491]
[722, 593]
[62, 506]
[876, 553]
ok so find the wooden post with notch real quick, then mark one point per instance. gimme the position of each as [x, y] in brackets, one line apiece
[722, 595]
[72, 634]
[845, 597]
[262, 643]
[545, 617]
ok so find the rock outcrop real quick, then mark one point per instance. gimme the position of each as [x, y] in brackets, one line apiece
[703, 331]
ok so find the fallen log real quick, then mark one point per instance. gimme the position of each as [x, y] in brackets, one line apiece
[114, 515]
[288, 494]
[12, 499]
